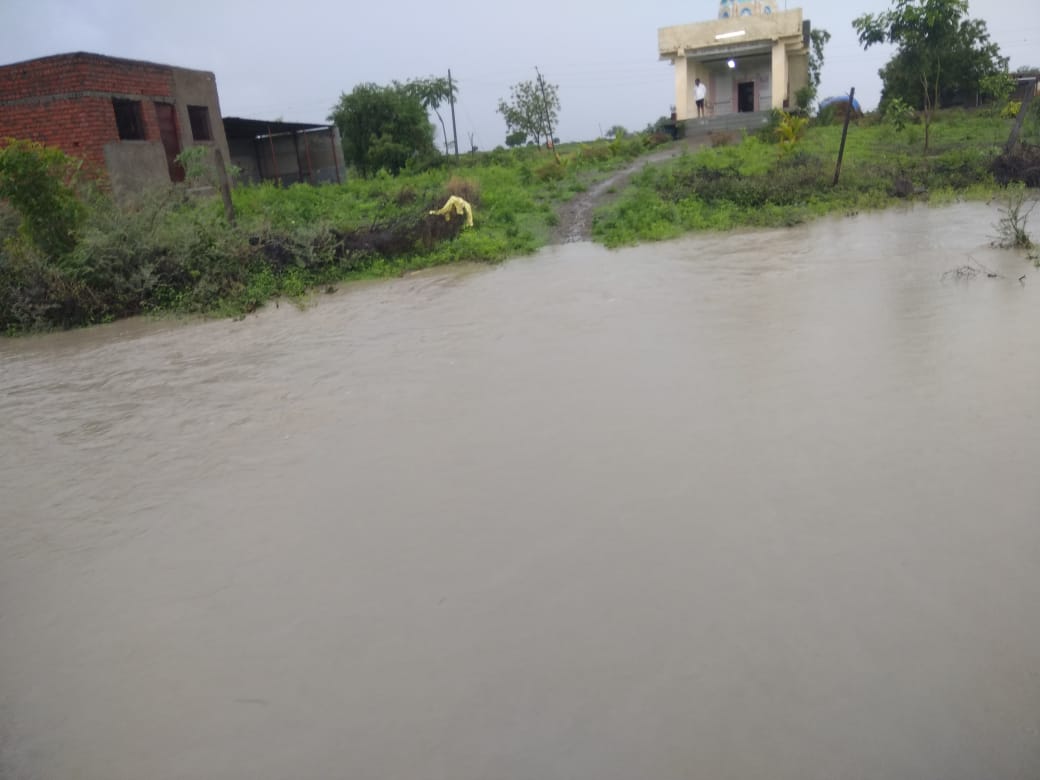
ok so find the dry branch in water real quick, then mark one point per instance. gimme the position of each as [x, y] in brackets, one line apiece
[969, 271]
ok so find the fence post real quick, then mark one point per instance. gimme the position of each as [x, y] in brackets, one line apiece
[844, 133]
[225, 187]
[1022, 110]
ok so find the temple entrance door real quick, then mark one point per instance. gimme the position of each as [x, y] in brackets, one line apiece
[746, 96]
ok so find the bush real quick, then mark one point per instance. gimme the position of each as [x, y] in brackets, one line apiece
[722, 138]
[467, 189]
[790, 130]
[38, 181]
[791, 181]
[550, 170]
[767, 133]
[899, 114]
[9, 222]
[656, 138]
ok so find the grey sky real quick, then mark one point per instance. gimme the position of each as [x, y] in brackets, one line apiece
[292, 60]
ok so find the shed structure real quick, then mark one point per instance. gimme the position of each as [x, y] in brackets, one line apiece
[285, 152]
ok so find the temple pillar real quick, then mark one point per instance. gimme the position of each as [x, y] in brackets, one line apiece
[779, 75]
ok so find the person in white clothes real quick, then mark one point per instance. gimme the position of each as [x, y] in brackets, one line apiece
[700, 94]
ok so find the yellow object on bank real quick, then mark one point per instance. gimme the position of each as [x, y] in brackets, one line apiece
[459, 206]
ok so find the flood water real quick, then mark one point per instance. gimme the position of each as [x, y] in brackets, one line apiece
[746, 506]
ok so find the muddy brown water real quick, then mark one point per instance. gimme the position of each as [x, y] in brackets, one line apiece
[743, 506]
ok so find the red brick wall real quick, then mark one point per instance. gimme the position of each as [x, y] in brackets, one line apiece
[80, 128]
[42, 100]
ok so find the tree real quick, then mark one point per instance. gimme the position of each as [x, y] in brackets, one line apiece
[382, 127]
[969, 67]
[818, 38]
[940, 52]
[433, 92]
[528, 111]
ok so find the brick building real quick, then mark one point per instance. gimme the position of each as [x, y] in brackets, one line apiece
[126, 117]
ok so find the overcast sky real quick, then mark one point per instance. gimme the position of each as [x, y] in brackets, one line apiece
[291, 60]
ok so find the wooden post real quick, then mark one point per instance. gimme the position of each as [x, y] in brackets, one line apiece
[1022, 111]
[310, 163]
[335, 159]
[296, 148]
[225, 187]
[844, 133]
[274, 159]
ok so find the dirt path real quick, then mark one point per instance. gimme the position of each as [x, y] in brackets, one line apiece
[576, 214]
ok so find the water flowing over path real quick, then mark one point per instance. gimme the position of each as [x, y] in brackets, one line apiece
[760, 506]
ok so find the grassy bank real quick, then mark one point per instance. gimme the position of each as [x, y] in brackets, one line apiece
[169, 252]
[752, 181]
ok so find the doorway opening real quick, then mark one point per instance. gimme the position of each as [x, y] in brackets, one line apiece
[167, 116]
[746, 96]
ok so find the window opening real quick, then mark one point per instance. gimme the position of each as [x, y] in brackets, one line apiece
[198, 116]
[128, 119]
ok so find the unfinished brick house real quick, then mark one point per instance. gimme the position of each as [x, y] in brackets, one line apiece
[125, 117]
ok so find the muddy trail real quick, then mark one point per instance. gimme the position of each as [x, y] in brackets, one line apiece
[575, 216]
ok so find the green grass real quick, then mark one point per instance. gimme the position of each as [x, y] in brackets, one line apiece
[750, 184]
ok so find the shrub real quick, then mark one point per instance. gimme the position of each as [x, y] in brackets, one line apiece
[1013, 227]
[899, 114]
[1010, 111]
[550, 170]
[467, 189]
[599, 152]
[790, 130]
[656, 138]
[767, 133]
[38, 181]
[722, 138]
[9, 222]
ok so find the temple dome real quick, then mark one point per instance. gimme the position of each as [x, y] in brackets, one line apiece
[732, 9]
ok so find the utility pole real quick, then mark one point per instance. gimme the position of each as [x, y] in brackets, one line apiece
[451, 100]
[545, 109]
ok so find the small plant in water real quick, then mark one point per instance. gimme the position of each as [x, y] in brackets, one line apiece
[1012, 228]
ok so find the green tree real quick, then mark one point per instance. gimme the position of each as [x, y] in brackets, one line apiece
[972, 68]
[39, 183]
[528, 112]
[818, 39]
[433, 92]
[382, 127]
[940, 52]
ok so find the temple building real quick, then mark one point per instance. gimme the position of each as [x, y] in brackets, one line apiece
[753, 57]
